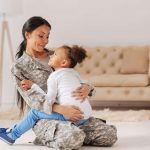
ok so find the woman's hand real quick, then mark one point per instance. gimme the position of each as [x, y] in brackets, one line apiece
[69, 111]
[72, 112]
[81, 93]
[26, 84]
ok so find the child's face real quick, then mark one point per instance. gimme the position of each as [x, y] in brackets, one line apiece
[59, 59]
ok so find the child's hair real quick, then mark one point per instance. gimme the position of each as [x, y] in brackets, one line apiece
[76, 54]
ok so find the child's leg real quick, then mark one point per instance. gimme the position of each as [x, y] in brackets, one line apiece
[27, 123]
[17, 130]
[30, 120]
[24, 125]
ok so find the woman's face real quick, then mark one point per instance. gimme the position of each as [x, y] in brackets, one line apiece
[38, 38]
[59, 59]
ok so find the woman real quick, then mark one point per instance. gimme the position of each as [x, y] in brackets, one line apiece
[32, 67]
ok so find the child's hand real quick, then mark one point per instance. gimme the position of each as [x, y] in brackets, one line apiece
[26, 84]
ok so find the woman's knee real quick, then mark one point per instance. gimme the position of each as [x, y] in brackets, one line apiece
[73, 140]
[106, 137]
[99, 133]
[112, 135]
[71, 137]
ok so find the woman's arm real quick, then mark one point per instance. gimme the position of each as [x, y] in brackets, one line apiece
[32, 98]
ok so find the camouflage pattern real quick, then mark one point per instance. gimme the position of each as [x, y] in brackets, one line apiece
[98, 133]
[57, 134]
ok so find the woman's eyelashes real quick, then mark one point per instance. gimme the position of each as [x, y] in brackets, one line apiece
[42, 36]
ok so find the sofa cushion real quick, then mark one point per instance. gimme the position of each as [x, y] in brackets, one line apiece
[112, 80]
[135, 60]
[120, 94]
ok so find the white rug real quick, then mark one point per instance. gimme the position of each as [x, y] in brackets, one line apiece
[123, 116]
[107, 114]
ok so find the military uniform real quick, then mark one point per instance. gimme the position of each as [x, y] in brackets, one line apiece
[52, 133]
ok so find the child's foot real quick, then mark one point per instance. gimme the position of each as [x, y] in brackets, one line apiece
[2, 130]
[4, 136]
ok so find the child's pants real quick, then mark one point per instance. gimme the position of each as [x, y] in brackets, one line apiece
[32, 118]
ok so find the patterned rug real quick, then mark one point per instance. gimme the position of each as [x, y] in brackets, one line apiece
[107, 114]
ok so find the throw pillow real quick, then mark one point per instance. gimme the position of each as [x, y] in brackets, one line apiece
[135, 60]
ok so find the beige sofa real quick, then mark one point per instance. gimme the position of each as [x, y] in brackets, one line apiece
[120, 74]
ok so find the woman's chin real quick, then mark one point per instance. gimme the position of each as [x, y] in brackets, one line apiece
[40, 50]
[49, 64]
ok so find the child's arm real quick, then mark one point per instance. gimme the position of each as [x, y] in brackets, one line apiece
[50, 96]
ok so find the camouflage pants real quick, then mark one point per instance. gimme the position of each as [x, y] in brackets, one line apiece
[98, 133]
[58, 135]
[65, 136]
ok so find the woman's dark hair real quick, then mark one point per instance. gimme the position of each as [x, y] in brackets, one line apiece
[76, 54]
[30, 25]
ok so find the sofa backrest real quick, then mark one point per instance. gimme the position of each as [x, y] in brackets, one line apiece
[105, 60]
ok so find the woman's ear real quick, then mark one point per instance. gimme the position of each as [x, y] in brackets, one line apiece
[27, 35]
